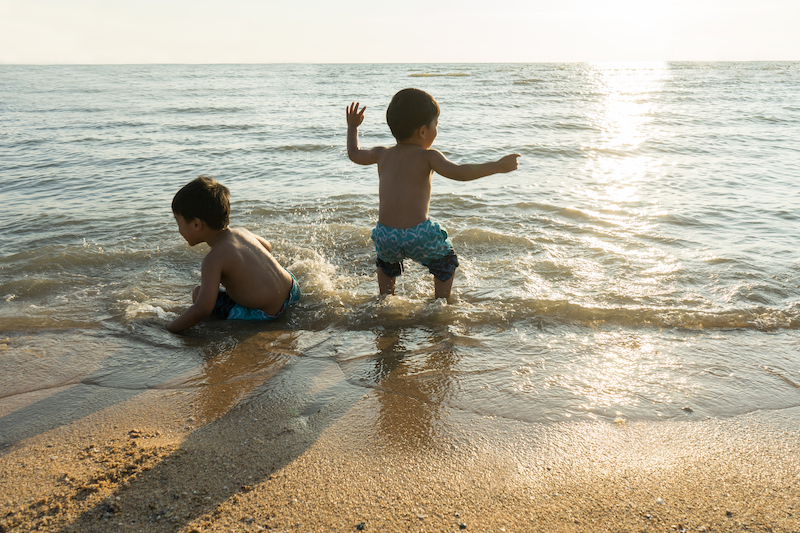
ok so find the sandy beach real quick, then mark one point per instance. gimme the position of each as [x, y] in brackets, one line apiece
[299, 448]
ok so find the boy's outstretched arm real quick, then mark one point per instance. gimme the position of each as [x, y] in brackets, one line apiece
[441, 165]
[204, 302]
[354, 152]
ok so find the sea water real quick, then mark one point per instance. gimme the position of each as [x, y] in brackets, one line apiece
[642, 263]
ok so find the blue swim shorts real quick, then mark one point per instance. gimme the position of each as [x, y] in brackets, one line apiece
[425, 243]
[230, 310]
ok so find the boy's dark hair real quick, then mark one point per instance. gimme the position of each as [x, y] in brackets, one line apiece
[206, 199]
[409, 110]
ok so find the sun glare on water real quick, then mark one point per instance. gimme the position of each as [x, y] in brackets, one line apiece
[626, 98]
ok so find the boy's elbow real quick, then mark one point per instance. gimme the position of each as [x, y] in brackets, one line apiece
[358, 159]
[466, 174]
[462, 173]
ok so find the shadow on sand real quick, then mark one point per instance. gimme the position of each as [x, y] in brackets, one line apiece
[267, 398]
[299, 397]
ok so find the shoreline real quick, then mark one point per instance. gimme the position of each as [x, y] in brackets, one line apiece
[308, 451]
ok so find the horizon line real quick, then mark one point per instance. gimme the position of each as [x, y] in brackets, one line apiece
[79, 64]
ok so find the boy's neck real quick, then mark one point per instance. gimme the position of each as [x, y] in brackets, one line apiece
[411, 142]
[212, 236]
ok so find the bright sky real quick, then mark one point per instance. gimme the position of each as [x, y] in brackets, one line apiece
[397, 31]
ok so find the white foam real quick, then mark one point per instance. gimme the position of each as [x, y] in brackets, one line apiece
[138, 310]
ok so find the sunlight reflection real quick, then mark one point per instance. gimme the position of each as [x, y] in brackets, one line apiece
[621, 168]
[628, 94]
[627, 98]
[618, 375]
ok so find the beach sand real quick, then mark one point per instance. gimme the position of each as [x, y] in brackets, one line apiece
[299, 448]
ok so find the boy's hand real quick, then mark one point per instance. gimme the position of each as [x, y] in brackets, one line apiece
[509, 163]
[354, 116]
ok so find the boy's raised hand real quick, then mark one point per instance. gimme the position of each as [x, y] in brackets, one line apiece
[354, 116]
[509, 162]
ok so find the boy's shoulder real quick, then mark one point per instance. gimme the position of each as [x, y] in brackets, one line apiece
[238, 237]
[238, 246]
[241, 233]
[234, 238]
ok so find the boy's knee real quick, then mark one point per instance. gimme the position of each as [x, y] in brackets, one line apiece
[444, 267]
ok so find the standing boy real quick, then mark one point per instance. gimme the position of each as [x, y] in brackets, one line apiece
[405, 172]
[257, 287]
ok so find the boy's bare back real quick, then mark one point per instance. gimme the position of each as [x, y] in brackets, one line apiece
[404, 190]
[251, 276]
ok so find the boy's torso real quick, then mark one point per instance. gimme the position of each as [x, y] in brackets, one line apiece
[251, 276]
[405, 186]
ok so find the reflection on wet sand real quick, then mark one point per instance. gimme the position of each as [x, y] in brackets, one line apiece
[410, 373]
[226, 377]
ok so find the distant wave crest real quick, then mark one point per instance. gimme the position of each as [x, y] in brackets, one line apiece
[437, 74]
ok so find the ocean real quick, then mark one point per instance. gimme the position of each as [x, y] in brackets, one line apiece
[641, 265]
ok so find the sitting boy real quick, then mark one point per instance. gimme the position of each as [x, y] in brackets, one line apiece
[405, 172]
[256, 286]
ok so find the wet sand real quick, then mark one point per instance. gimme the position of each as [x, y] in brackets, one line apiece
[301, 449]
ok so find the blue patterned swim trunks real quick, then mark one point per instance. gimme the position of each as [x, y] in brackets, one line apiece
[425, 243]
[230, 310]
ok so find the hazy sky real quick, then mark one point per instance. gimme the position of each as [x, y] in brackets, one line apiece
[355, 31]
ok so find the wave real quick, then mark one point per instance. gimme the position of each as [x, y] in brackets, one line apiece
[305, 148]
[129, 124]
[478, 236]
[558, 152]
[344, 297]
[204, 110]
[438, 74]
[532, 313]
[79, 286]
[22, 323]
[214, 127]
[52, 257]
[769, 119]
[573, 126]
[760, 319]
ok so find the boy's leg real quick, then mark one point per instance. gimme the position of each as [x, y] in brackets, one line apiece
[387, 274]
[194, 293]
[444, 267]
[442, 288]
[385, 283]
